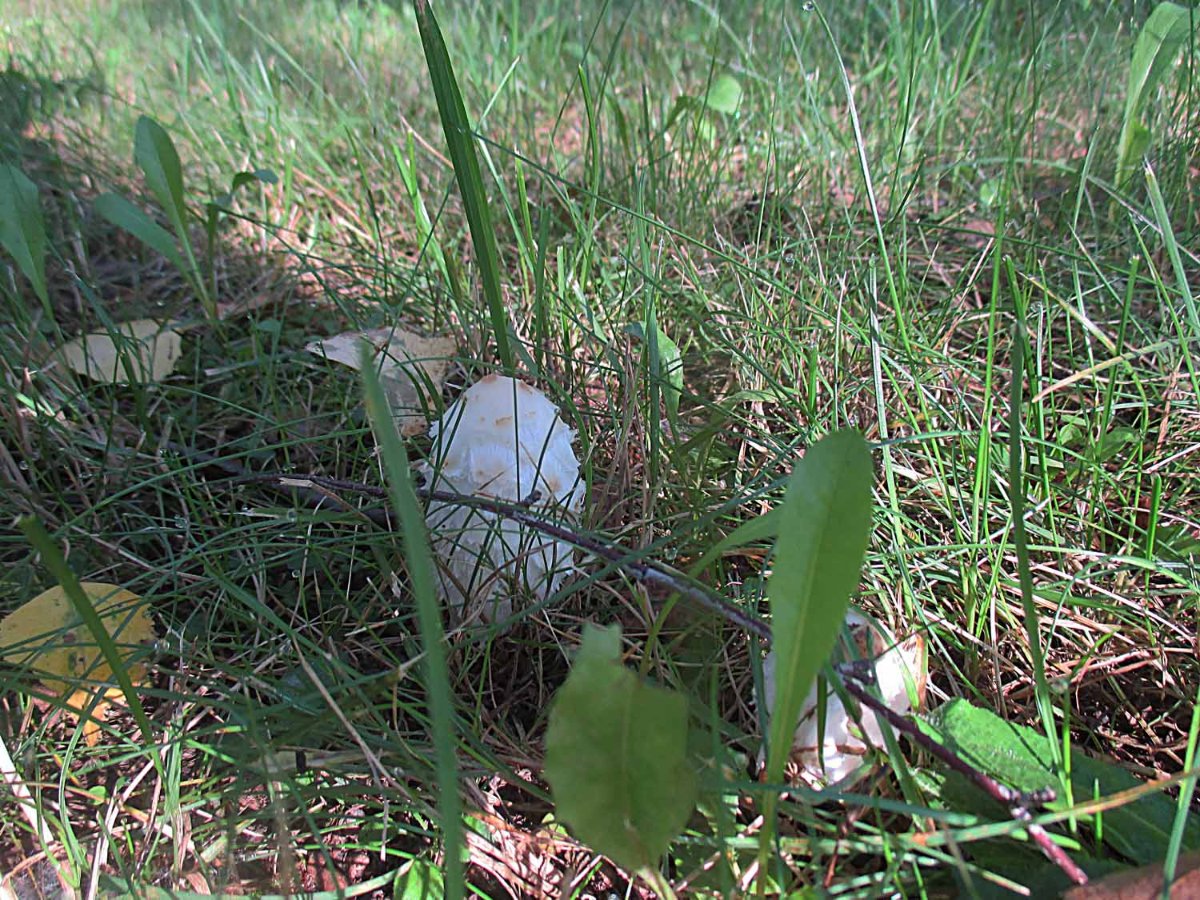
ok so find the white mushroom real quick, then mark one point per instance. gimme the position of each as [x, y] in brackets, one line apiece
[838, 755]
[502, 439]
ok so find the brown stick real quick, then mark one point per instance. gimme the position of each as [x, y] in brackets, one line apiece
[316, 490]
[858, 674]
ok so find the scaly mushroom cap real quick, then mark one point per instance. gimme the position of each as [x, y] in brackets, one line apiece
[504, 439]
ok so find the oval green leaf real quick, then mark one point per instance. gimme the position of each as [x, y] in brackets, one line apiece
[724, 95]
[155, 154]
[616, 756]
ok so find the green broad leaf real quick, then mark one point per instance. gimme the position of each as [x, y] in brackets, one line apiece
[155, 154]
[460, 141]
[120, 212]
[1160, 41]
[1135, 144]
[824, 526]
[262, 176]
[419, 880]
[22, 229]
[1022, 758]
[670, 362]
[1139, 830]
[616, 756]
[1018, 756]
[724, 95]
[239, 181]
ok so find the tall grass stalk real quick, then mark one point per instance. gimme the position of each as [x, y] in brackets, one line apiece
[419, 565]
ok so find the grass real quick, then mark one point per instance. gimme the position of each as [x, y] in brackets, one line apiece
[800, 300]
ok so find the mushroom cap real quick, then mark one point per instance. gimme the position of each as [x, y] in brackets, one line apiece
[504, 439]
[837, 754]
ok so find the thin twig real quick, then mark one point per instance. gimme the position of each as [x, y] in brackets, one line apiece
[315, 490]
[856, 675]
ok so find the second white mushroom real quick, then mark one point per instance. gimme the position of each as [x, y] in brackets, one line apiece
[838, 755]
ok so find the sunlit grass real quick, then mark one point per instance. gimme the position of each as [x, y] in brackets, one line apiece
[750, 240]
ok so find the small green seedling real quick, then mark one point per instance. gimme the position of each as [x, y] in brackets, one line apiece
[1159, 43]
[722, 98]
[23, 231]
[155, 154]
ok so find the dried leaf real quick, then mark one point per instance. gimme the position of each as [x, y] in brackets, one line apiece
[1145, 883]
[48, 636]
[411, 368]
[142, 350]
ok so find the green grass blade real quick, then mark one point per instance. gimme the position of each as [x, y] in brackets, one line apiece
[1016, 497]
[1183, 809]
[23, 230]
[419, 561]
[1163, 218]
[406, 165]
[122, 213]
[460, 141]
[760, 528]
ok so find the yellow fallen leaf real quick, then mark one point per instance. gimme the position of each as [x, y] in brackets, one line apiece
[48, 636]
[411, 371]
[139, 351]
